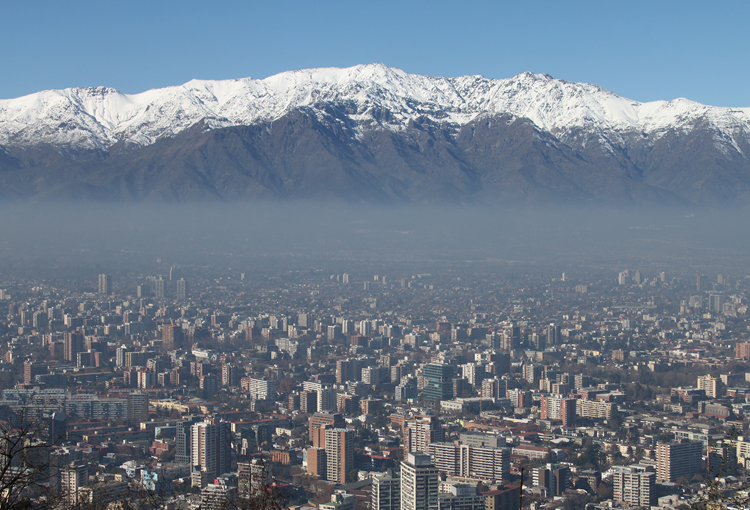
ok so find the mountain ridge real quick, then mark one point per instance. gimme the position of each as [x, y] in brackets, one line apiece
[103, 116]
[371, 133]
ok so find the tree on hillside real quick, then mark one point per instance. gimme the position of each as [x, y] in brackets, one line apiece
[24, 458]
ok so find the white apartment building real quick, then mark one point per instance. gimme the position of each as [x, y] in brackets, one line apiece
[419, 482]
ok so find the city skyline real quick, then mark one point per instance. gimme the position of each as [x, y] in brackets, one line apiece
[470, 375]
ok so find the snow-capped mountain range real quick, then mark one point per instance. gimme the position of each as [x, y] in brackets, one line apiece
[374, 133]
[99, 117]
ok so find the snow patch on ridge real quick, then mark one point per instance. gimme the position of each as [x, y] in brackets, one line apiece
[98, 117]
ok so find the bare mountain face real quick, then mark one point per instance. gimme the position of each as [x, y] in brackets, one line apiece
[374, 134]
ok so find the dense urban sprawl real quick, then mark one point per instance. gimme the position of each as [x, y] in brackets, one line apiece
[447, 390]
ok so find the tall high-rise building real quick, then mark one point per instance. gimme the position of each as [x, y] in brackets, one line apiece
[519, 398]
[494, 340]
[39, 319]
[181, 289]
[554, 477]
[218, 496]
[742, 350]
[446, 457]
[438, 382]
[374, 375]
[581, 381]
[346, 370]
[211, 447]
[484, 462]
[251, 477]
[491, 388]
[263, 388]
[304, 320]
[537, 340]
[422, 431]
[365, 328]
[31, 369]
[308, 401]
[633, 486]
[716, 303]
[593, 408]
[73, 345]
[348, 404]
[347, 326]
[72, 478]
[160, 288]
[333, 332]
[209, 385]
[709, 385]
[183, 439]
[478, 460]
[473, 373]
[568, 413]
[511, 337]
[553, 335]
[316, 421]
[339, 453]
[230, 375]
[105, 284]
[678, 459]
[317, 462]
[551, 408]
[386, 491]
[326, 399]
[58, 428]
[701, 283]
[502, 362]
[143, 291]
[532, 373]
[171, 337]
[137, 406]
[405, 390]
[419, 482]
[696, 302]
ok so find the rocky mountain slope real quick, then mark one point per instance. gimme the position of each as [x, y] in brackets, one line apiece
[374, 134]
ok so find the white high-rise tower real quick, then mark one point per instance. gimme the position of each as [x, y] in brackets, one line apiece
[211, 448]
[419, 482]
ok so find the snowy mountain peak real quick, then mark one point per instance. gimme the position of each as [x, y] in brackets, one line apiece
[98, 117]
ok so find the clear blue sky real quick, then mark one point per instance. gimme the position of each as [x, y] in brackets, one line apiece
[642, 50]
